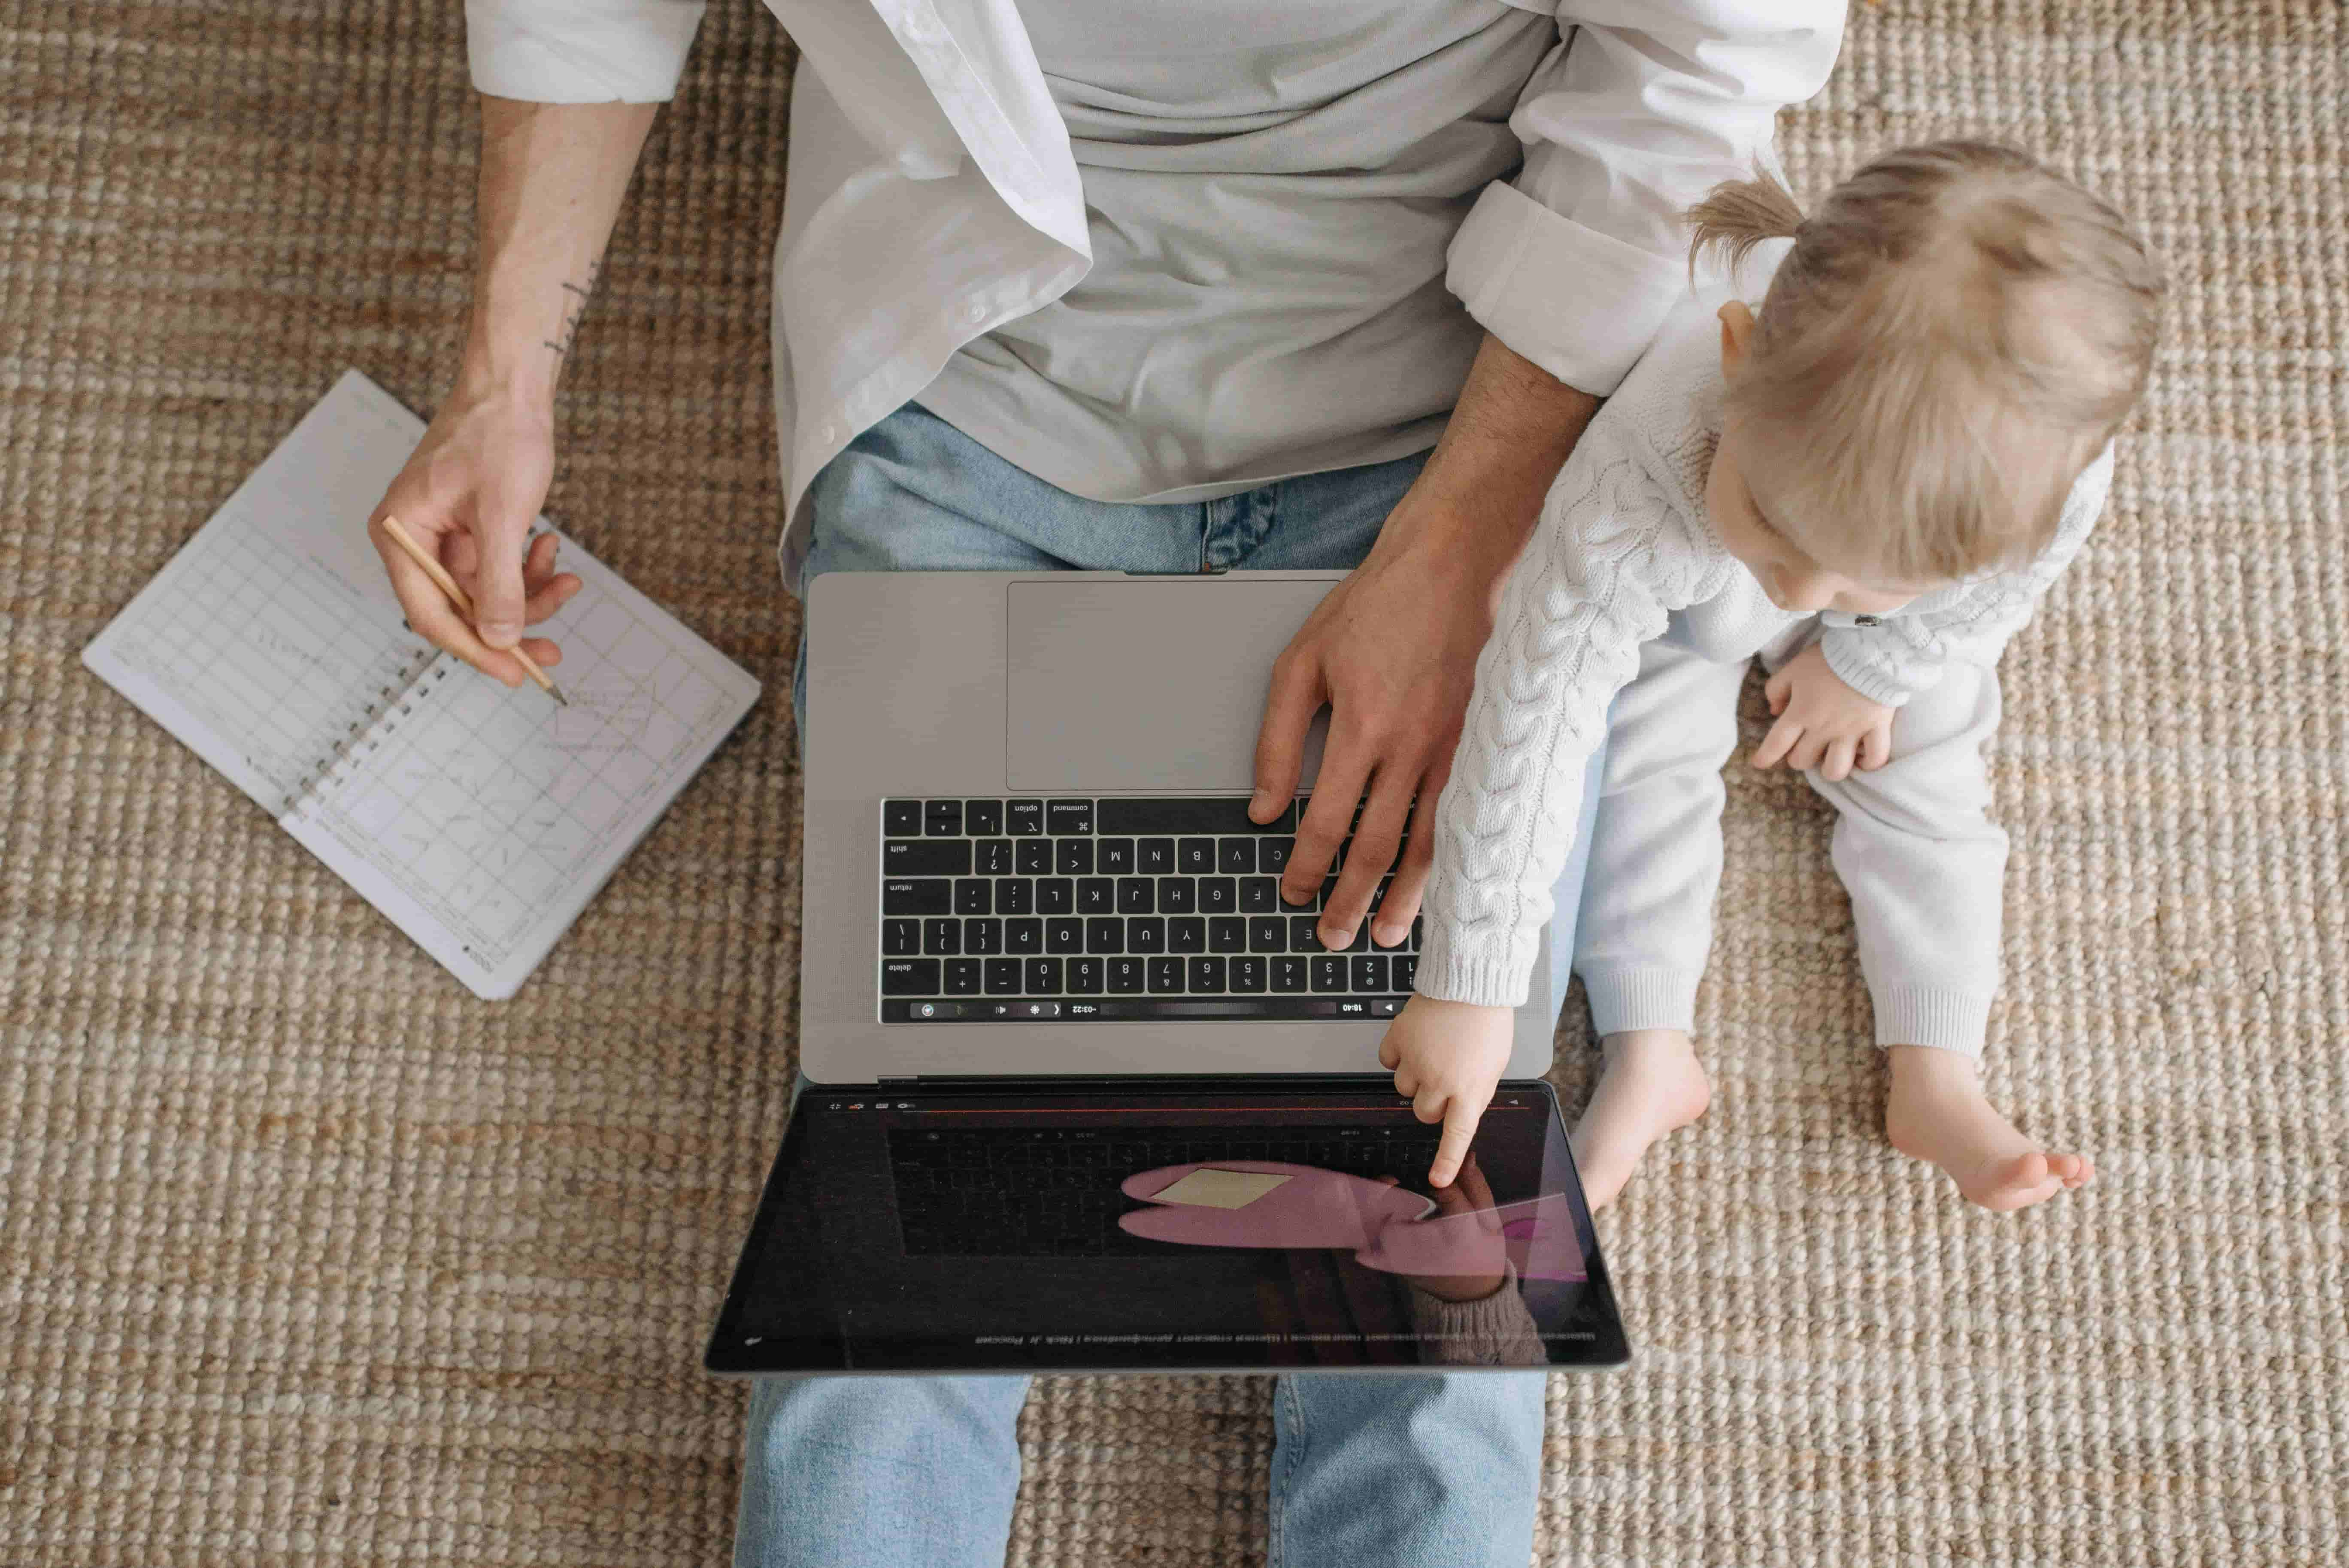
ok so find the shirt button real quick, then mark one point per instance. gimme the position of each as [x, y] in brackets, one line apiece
[974, 312]
[827, 433]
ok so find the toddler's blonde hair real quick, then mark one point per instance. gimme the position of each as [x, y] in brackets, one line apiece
[1956, 334]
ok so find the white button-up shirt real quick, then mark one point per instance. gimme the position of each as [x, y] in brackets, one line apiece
[933, 194]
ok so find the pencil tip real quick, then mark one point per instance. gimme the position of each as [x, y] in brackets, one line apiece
[556, 693]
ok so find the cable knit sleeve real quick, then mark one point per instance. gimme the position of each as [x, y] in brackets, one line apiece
[1609, 561]
[1902, 655]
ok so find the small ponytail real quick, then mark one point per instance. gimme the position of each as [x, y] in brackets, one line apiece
[1740, 214]
[1956, 329]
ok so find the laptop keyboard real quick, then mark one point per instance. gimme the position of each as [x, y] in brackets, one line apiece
[1023, 1192]
[1112, 909]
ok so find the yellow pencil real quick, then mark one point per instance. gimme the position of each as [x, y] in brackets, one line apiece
[457, 597]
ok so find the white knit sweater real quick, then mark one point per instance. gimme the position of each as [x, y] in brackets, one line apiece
[1622, 542]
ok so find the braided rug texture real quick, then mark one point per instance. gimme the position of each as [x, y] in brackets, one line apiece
[308, 1257]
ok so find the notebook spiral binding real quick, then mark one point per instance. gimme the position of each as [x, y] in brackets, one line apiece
[395, 702]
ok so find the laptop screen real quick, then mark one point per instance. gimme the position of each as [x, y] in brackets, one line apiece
[1163, 1228]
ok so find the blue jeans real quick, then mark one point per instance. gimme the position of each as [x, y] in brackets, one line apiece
[1417, 1470]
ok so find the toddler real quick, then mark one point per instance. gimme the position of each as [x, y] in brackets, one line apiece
[1867, 482]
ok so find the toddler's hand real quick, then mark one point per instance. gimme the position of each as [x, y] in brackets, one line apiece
[1448, 1056]
[1823, 723]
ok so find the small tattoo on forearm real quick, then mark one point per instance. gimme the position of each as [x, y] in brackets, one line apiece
[573, 308]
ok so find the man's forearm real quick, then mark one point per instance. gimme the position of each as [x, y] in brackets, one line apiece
[552, 176]
[1482, 487]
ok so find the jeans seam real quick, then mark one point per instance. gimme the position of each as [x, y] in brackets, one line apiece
[1271, 502]
[1243, 521]
[1286, 1454]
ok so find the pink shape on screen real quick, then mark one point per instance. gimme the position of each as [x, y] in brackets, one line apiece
[1388, 1228]
[1314, 1208]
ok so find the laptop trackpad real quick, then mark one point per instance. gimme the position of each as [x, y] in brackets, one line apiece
[1148, 685]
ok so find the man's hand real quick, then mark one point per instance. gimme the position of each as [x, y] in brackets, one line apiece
[1393, 650]
[1823, 723]
[1448, 1056]
[551, 182]
[468, 495]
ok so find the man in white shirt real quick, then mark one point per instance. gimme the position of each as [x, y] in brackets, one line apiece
[1121, 284]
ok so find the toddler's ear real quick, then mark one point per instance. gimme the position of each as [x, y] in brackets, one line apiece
[1737, 332]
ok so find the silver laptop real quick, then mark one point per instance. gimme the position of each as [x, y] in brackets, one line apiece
[1050, 995]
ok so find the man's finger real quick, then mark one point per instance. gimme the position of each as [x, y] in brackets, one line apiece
[547, 597]
[1876, 748]
[1377, 838]
[497, 595]
[1459, 1131]
[544, 589]
[1390, 1051]
[1806, 753]
[1345, 763]
[1406, 1080]
[1775, 745]
[433, 618]
[1775, 688]
[1295, 695]
[1428, 1102]
[1393, 922]
[461, 553]
[1836, 766]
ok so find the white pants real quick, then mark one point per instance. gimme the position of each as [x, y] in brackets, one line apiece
[1914, 845]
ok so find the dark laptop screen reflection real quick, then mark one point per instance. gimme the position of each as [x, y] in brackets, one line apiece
[930, 1230]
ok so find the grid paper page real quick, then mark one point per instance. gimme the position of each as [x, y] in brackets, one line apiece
[483, 820]
[272, 638]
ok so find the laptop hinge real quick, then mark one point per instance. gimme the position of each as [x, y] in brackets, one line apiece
[1094, 1083]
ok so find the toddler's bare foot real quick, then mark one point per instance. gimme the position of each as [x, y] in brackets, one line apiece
[1937, 1114]
[1649, 1086]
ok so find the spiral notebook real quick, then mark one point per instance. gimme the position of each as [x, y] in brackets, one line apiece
[480, 820]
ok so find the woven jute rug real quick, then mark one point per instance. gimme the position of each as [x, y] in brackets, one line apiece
[308, 1256]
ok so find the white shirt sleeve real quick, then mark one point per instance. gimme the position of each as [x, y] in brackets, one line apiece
[1608, 562]
[1892, 658]
[1643, 109]
[580, 51]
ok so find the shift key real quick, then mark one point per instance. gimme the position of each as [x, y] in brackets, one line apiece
[926, 858]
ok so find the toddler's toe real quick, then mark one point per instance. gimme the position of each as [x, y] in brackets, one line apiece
[2024, 1181]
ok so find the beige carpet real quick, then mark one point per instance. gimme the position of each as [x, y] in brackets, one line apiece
[307, 1256]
